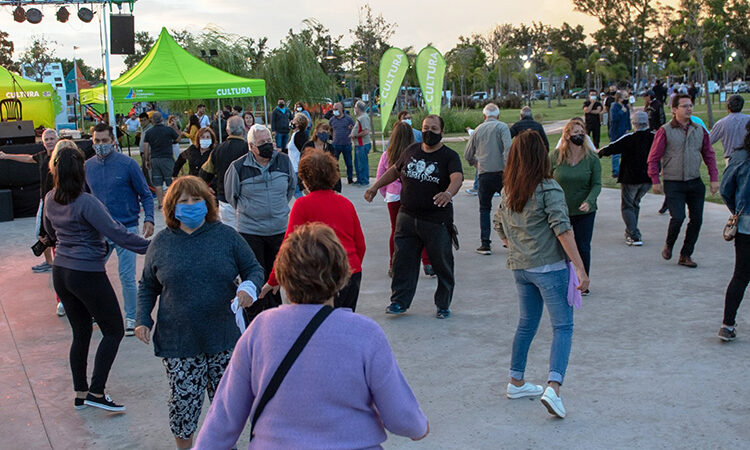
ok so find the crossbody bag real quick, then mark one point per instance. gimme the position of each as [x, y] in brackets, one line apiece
[288, 361]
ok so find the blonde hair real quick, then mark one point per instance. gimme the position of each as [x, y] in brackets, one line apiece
[564, 150]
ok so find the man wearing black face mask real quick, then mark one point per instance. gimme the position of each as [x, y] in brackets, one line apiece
[430, 175]
[280, 119]
[118, 182]
[218, 163]
[259, 187]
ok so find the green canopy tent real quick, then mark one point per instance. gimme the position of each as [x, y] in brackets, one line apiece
[169, 72]
[36, 98]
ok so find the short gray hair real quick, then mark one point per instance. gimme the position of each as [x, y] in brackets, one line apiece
[640, 118]
[526, 113]
[360, 105]
[254, 131]
[491, 110]
[236, 126]
[156, 117]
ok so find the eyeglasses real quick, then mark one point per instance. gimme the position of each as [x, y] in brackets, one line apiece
[687, 106]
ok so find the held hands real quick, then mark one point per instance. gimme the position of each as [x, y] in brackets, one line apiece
[370, 194]
[148, 229]
[585, 207]
[143, 333]
[443, 198]
[2, 155]
[657, 189]
[147, 163]
[714, 187]
[265, 290]
[244, 299]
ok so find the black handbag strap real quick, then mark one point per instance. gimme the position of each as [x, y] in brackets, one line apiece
[288, 361]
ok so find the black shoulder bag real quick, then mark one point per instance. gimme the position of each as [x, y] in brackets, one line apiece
[288, 361]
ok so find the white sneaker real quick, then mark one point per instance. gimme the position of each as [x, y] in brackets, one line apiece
[60, 309]
[637, 243]
[129, 327]
[553, 403]
[527, 390]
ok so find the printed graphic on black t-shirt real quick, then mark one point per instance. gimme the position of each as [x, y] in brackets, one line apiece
[424, 175]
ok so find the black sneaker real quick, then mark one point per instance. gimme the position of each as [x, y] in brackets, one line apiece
[103, 403]
[78, 403]
[726, 335]
[428, 270]
[395, 308]
[585, 293]
[484, 250]
[443, 313]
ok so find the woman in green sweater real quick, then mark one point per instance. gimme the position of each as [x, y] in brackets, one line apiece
[579, 172]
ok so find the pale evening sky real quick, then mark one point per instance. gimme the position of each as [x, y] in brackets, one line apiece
[419, 22]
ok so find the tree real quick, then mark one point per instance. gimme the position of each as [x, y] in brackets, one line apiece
[88, 72]
[316, 36]
[143, 43]
[293, 71]
[558, 66]
[463, 61]
[370, 42]
[6, 52]
[37, 56]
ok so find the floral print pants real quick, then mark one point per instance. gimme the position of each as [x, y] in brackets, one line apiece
[188, 379]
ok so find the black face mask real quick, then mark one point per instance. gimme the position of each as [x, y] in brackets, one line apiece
[431, 138]
[265, 150]
[577, 139]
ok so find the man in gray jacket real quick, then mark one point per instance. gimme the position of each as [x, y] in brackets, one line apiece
[259, 186]
[486, 150]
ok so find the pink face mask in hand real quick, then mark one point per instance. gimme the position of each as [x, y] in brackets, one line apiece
[574, 295]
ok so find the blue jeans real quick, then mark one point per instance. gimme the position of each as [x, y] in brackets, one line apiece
[345, 150]
[126, 269]
[616, 165]
[362, 164]
[281, 140]
[535, 290]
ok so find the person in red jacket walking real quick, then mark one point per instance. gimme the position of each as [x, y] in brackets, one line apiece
[319, 173]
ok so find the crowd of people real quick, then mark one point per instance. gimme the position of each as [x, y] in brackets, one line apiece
[229, 219]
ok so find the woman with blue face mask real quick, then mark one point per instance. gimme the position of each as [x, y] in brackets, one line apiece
[321, 139]
[195, 326]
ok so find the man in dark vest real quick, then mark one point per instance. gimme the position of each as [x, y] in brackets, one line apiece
[679, 147]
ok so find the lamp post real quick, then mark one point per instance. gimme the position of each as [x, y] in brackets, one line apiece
[633, 50]
[726, 67]
[209, 54]
[330, 57]
[549, 52]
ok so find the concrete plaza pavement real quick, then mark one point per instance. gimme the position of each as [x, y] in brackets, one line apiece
[646, 368]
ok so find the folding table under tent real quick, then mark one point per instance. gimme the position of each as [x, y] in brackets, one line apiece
[36, 98]
[169, 72]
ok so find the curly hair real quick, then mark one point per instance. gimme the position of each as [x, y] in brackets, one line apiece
[193, 186]
[318, 169]
[312, 265]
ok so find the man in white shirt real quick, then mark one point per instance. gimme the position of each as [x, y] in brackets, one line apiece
[200, 111]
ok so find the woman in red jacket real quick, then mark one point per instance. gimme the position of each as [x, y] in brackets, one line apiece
[319, 173]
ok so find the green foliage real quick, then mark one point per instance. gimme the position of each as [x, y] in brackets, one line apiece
[89, 73]
[293, 72]
[370, 42]
[36, 57]
[6, 52]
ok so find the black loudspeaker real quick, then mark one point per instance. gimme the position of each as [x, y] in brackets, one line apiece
[122, 34]
[18, 132]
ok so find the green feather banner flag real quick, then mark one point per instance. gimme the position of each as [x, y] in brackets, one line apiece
[393, 66]
[431, 72]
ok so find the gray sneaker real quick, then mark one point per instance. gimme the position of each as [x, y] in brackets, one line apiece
[726, 335]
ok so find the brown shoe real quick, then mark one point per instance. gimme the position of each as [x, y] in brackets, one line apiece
[687, 262]
[666, 253]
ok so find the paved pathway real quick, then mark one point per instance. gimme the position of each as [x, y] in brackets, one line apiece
[646, 369]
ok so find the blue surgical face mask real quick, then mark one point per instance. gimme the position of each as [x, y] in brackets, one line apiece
[407, 121]
[191, 216]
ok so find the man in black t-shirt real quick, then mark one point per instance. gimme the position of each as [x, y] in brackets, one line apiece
[157, 153]
[592, 110]
[431, 175]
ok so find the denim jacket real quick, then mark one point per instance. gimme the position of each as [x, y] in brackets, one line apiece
[532, 233]
[735, 188]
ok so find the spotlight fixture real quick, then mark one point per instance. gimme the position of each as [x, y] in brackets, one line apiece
[33, 15]
[86, 15]
[19, 14]
[63, 14]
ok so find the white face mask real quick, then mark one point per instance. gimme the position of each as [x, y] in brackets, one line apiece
[336, 113]
[299, 109]
[205, 143]
[593, 98]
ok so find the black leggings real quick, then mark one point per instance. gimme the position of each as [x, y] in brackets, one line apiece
[740, 279]
[348, 295]
[85, 295]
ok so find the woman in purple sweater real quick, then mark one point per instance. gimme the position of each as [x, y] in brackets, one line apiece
[344, 387]
[77, 222]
